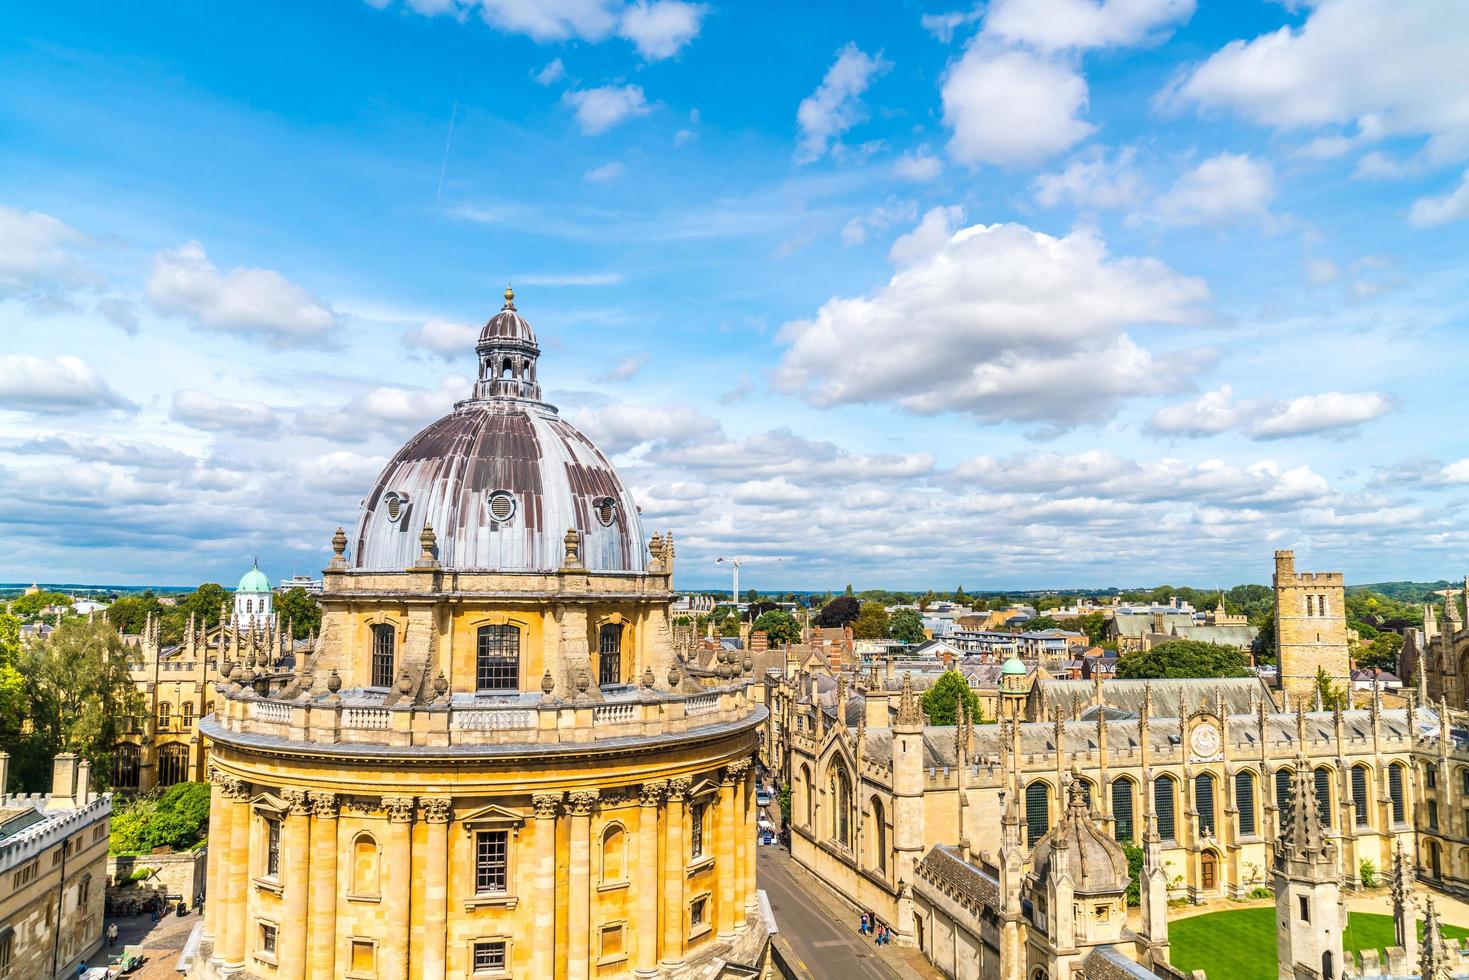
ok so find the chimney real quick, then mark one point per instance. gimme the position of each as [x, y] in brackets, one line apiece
[63, 782]
[84, 782]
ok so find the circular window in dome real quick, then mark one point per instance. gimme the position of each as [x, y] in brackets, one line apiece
[606, 511]
[396, 504]
[502, 505]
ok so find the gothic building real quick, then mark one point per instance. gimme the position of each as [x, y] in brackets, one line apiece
[491, 763]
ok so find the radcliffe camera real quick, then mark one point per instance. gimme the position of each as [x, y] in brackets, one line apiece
[692, 490]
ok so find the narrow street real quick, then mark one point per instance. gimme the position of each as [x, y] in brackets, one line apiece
[825, 938]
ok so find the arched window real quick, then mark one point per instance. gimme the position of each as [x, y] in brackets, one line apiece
[879, 837]
[609, 650]
[383, 642]
[1086, 791]
[1361, 802]
[173, 764]
[1327, 963]
[1435, 861]
[125, 767]
[186, 714]
[1163, 804]
[1204, 801]
[209, 707]
[810, 791]
[841, 815]
[497, 658]
[1122, 809]
[1395, 791]
[1323, 795]
[614, 854]
[163, 715]
[1037, 811]
[1282, 795]
[364, 866]
[1244, 800]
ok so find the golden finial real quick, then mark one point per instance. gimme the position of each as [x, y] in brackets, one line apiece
[509, 297]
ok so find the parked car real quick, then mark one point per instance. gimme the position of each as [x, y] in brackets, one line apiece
[763, 797]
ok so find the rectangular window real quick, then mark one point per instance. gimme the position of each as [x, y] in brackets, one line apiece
[1305, 909]
[1432, 815]
[489, 957]
[364, 956]
[7, 953]
[696, 829]
[267, 939]
[382, 655]
[609, 649]
[1310, 605]
[497, 658]
[1430, 776]
[698, 912]
[491, 861]
[612, 941]
[272, 848]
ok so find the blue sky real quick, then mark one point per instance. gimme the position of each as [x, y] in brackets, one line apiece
[1043, 293]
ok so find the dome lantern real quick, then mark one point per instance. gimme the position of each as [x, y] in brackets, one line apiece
[507, 352]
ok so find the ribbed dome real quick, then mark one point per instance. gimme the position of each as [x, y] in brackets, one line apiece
[508, 324]
[253, 581]
[1097, 864]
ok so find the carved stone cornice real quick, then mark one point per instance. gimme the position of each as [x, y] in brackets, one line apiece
[738, 768]
[235, 789]
[324, 805]
[580, 802]
[545, 805]
[436, 808]
[678, 789]
[651, 793]
[400, 808]
[298, 802]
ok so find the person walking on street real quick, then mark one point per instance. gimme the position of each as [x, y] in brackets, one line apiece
[111, 934]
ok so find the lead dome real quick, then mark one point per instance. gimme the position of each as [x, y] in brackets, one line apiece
[501, 479]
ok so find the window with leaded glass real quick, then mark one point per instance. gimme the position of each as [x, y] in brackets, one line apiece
[382, 655]
[1244, 799]
[1037, 812]
[497, 658]
[696, 829]
[1163, 804]
[272, 848]
[267, 939]
[1323, 795]
[1395, 791]
[609, 650]
[1282, 797]
[489, 957]
[1122, 809]
[491, 861]
[1204, 801]
[1359, 796]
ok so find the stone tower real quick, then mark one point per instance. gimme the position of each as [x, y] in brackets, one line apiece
[1309, 914]
[908, 836]
[1310, 626]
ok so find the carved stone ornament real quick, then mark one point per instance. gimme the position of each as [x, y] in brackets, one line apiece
[405, 682]
[545, 805]
[583, 681]
[441, 685]
[678, 788]
[548, 683]
[738, 768]
[674, 676]
[365, 805]
[651, 793]
[580, 802]
[648, 676]
[334, 681]
[436, 808]
[235, 789]
[400, 808]
[298, 802]
[324, 805]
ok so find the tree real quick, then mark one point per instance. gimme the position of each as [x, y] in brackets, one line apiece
[1183, 658]
[1134, 856]
[1263, 648]
[204, 603]
[779, 625]
[841, 611]
[1382, 652]
[871, 622]
[757, 609]
[1093, 624]
[1042, 623]
[31, 605]
[130, 613]
[299, 608]
[907, 625]
[848, 590]
[176, 818]
[1332, 697]
[941, 702]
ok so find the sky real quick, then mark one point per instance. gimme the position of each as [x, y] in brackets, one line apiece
[1038, 293]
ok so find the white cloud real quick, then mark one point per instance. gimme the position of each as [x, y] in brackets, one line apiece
[918, 166]
[253, 303]
[1094, 180]
[61, 385]
[395, 410]
[625, 369]
[1012, 107]
[1214, 412]
[998, 321]
[342, 471]
[96, 448]
[1383, 67]
[1453, 206]
[836, 105]
[620, 427]
[201, 410]
[1228, 188]
[1051, 25]
[443, 338]
[120, 313]
[551, 74]
[599, 109]
[878, 220]
[943, 26]
[37, 252]
[606, 173]
[661, 28]
[550, 20]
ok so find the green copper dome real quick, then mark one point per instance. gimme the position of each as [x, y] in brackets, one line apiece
[1013, 666]
[254, 581]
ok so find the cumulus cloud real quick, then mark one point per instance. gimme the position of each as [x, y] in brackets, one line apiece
[878, 220]
[96, 448]
[660, 29]
[1453, 206]
[918, 166]
[1012, 107]
[1222, 190]
[258, 304]
[943, 26]
[38, 253]
[620, 427]
[1374, 69]
[61, 385]
[1214, 412]
[394, 410]
[625, 369]
[836, 106]
[1095, 180]
[201, 410]
[599, 109]
[443, 338]
[1051, 25]
[998, 321]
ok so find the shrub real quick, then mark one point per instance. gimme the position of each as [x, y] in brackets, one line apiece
[177, 818]
[1367, 872]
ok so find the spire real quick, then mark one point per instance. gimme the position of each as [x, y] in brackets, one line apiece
[1436, 963]
[1301, 840]
[908, 713]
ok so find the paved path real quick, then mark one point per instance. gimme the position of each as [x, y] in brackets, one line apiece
[161, 943]
[826, 939]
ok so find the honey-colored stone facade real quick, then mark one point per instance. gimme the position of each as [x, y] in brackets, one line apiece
[1310, 626]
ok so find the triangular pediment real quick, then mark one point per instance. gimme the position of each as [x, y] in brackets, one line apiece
[492, 814]
[269, 801]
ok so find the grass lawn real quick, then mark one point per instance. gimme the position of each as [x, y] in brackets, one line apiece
[1240, 944]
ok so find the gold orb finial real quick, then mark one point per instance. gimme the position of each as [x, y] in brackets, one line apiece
[509, 297]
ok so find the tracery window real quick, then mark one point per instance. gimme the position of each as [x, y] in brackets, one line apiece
[1037, 811]
[1163, 804]
[841, 827]
[1395, 791]
[1244, 800]
[1122, 809]
[1360, 799]
[1204, 801]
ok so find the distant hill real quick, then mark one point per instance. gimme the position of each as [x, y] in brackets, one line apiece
[1407, 591]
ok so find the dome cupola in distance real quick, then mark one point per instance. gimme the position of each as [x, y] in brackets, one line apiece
[492, 760]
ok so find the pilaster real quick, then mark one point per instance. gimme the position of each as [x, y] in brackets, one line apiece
[724, 855]
[646, 963]
[295, 841]
[399, 862]
[579, 888]
[238, 874]
[436, 814]
[323, 886]
[674, 859]
[542, 953]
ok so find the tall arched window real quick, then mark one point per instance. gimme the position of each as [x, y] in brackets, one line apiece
[879, 837]
[841, 816]
[186, 714]
[383, 642]
[1244, 800]
[1361, 802]
[1323, 795]
[609, 651]
[614, 854]
[1282, 796]
[1163, 804]
[1395, 791]
[1204, 801]
[1037, 811]
[173, 764]
[497, 658]
[364, 866]
[1122, 809]
[810, 790]
[125, 767]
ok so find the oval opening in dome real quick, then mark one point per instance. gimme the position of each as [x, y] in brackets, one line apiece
[396, 503]
[502, 505]
[606, 511]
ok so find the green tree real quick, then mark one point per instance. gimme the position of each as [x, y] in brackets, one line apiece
[1382, 652]
[1332, 697]
[1042, 623]
[1093, 624]
[1263, 647]
[130, 613]
[1183, 658]
[779, 625]
[1134, 870]
[841, 611]
[941, 702]
[31, 605]
[204, 603]
[907, 625]
[299, 608]
[871, 622]
[177, 817]
[13, 705]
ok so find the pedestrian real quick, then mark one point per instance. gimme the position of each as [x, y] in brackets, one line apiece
[82, 968]
[111, 934]
[862, 924]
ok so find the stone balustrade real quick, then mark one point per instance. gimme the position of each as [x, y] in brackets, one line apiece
[354, 719]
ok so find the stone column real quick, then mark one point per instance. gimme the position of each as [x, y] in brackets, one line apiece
[741, 831]
[543, 962]
[323, 886]
[237, 873]
[295, 847]
[579, 888]
[219, 845]
[436, 886]
[674, 859]
[752, 900]
[399, 884]
[646, 963]
[724, 854]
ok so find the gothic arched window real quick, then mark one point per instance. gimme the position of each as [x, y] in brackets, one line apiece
[173, 764]
[1204, 801]
[1122, 809]
[1244, 800]
[1163, 804]
[841, 817]
[1037, 811]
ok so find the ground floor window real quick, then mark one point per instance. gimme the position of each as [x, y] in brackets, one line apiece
[489, 956]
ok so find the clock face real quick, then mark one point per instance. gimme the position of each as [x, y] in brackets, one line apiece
[1205, 741]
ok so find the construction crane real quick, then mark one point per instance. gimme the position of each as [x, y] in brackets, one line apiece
[736, 561]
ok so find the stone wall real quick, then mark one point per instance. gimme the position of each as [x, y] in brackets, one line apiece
[170, 874]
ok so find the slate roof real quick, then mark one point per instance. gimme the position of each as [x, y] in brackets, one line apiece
[943, 868]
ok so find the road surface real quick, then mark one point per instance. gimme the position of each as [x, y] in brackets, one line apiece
[825, 938]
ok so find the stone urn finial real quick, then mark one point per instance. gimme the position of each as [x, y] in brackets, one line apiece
[334, 681]
[572, 541]
[748, 663]
[674, 676]
[648, 677]
[428, 544]
[583, 681]
[405, 682]
[548, 683]
[441, 686]
[339, 549]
